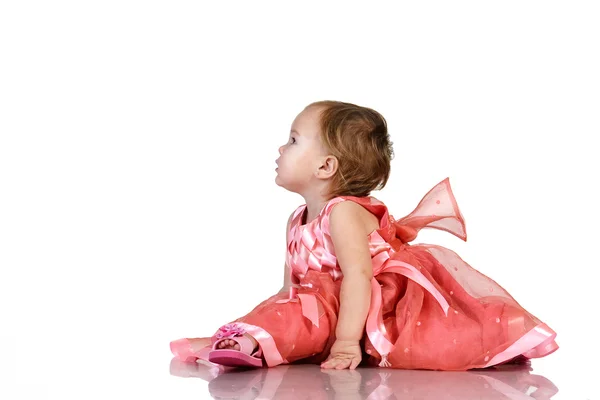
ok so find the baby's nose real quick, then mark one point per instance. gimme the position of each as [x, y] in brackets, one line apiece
[280, 150]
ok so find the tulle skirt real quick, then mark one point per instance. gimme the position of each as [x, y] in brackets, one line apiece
[484, 325]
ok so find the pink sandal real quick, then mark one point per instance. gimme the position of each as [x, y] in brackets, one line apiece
[235, 358]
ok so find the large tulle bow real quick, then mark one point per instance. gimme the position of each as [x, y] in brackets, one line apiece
[437, 210]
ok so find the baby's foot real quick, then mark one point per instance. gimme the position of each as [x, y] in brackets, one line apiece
[231, 344]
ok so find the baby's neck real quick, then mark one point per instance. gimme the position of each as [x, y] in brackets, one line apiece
[313, 211]
[315, 202]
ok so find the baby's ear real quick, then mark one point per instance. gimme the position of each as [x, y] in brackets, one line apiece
[328, 167]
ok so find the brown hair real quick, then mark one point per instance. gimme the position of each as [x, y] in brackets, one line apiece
[358, 137]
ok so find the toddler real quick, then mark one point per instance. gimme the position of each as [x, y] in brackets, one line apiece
[355, 288]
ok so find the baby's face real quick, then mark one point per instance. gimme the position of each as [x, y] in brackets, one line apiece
[301, 156]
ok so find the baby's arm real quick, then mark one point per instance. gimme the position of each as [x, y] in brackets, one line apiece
[349, 233]
[286, 269]
[350, 226]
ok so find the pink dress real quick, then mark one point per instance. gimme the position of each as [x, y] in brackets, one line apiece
[429, 309]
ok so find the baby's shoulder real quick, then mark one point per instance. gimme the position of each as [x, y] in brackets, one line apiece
[348, 212]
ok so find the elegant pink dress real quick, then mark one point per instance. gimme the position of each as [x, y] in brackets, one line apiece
[429, 309]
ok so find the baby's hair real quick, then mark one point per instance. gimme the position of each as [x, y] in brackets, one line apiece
[358, 137]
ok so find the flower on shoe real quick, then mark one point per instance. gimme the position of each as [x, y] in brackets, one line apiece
[229, 330]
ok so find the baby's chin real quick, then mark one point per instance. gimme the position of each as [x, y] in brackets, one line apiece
[280, 181]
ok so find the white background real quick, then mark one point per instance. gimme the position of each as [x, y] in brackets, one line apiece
[137, 152]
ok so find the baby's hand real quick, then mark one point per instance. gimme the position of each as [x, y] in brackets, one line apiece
[344, 354]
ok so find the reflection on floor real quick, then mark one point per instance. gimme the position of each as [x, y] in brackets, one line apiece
[513, 382]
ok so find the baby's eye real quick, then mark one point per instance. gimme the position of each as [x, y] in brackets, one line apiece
[292, 140]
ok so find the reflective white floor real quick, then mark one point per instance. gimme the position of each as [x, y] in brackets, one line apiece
[311, 382]
[124, 369]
